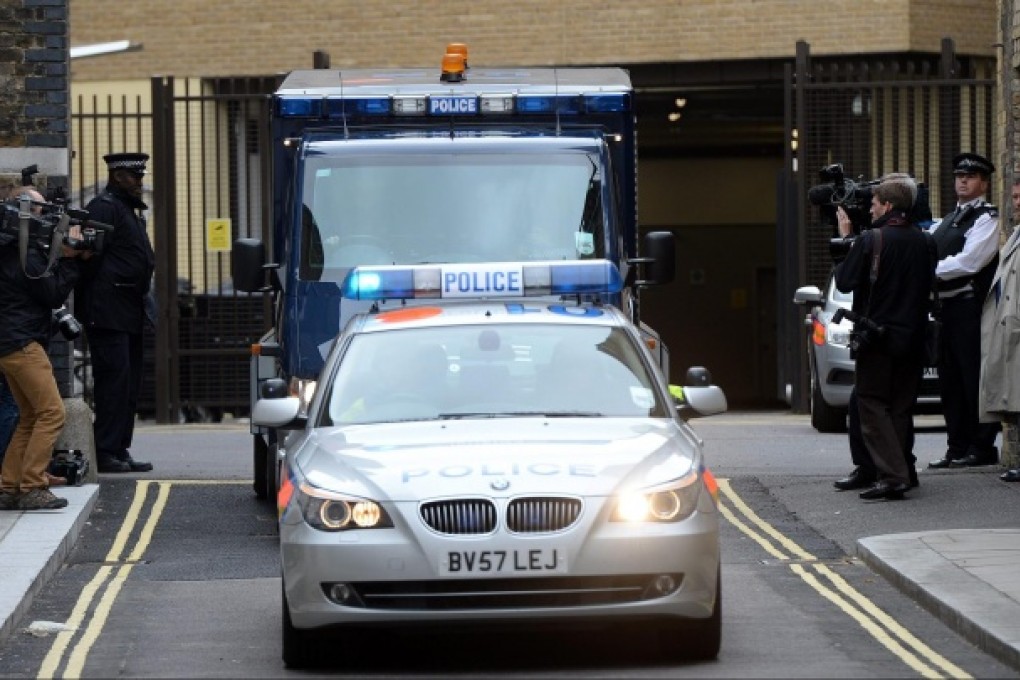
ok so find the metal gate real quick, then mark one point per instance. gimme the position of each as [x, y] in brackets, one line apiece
[209, 148]
[875, 116]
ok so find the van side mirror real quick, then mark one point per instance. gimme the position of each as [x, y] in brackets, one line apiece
[247, 265]
[658, 257]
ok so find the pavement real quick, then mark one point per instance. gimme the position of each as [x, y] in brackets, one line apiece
[969, 578]
[33, 546]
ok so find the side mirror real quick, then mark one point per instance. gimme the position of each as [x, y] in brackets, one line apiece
[247, 265]
[698, 396]
[658, 257]
[808, 295]
[705, 401]
[281, 413]
[273, 388]
[276, 408]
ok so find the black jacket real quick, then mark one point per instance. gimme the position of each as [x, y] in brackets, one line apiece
[27, 304]
[111, 293]
[899, 299]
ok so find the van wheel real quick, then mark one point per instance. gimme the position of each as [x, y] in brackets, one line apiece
[260, 469]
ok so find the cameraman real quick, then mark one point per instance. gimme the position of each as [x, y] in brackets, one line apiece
[28, 295]
[889, 270]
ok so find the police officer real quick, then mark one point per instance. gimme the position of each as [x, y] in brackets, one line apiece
[968, 243]
[111, 303]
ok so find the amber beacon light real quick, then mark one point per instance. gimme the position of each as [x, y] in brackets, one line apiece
[454, 63]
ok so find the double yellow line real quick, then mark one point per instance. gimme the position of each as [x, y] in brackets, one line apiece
[882, 627]
[108, 580]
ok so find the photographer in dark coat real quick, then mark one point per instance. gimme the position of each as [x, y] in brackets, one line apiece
[889, 270]
[29, 291]
[110, 303]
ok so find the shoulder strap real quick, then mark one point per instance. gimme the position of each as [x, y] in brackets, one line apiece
[933, 256]
[876, 253]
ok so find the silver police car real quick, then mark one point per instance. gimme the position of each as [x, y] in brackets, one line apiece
[829, 363]
[507, 459]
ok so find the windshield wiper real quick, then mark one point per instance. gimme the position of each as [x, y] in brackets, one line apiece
[521, 414]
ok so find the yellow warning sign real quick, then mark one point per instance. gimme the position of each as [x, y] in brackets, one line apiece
[217, 234]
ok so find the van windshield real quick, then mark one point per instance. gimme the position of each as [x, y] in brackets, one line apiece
[410, 208]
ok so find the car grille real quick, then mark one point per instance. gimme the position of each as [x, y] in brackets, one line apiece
[460, 516]
[541, 515]
[465, 516]
[558, 591]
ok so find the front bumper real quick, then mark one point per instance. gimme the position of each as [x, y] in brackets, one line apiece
[612, 570]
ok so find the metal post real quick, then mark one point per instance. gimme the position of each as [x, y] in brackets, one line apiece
[167, 395]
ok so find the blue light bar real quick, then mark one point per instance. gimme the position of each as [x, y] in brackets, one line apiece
[569, 105]
[299, 107]
[607, 103]
[482, 280]
[358, 106]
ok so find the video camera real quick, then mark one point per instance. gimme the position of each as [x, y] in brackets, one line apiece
[45, 225]
[71, 464]
[837, 190]
[854, 196]
[865, 333]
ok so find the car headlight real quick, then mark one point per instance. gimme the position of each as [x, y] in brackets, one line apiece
[328, 511]
[838, 334]
[673, 502]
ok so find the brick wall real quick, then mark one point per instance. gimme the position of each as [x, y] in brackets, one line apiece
[33, 73]
[34, 113]
[239, 37]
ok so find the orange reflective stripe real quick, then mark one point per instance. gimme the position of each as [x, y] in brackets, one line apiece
[283, 496]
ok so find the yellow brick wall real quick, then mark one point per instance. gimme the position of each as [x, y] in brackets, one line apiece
[255, 37]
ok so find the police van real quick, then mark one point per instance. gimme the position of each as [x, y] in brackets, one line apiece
[438, 165]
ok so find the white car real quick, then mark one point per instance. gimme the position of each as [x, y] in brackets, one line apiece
[509, 459]
[829, 363]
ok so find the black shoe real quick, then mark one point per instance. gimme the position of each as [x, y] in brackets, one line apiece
[1011, 475]
[914, 481]
[111, 464]
[942, 463]
[137, 466]
[976, 460]
[860, 478]
[887, 490]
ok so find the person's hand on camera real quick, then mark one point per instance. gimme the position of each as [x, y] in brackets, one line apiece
[74, 235]
[843, 222]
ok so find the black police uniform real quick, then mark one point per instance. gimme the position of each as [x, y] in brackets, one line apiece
[888, 368]
[970, 442]
[110, 303]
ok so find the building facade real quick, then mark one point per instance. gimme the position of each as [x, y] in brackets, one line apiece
[712, 97]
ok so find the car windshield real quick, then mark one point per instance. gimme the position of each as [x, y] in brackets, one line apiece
[412, 208]
[491, 371]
